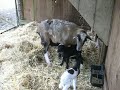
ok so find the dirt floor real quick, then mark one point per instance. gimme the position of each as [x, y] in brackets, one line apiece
[22, 65]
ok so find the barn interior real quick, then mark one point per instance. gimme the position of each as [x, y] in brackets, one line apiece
[22, 63]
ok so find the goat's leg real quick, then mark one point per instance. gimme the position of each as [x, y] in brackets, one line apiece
[46, 55]
[46, 45]
[47, 58]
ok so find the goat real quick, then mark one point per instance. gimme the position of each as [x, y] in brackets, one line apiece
[67, 52]
[69, 78]
[55, 31]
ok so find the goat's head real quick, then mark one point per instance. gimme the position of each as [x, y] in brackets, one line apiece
[81, 38]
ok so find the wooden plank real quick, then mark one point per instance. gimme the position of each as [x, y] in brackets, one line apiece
[112, 63]
[98, 14]
[87, 10]
[102, 51]
[75, 3]
[28, 10]
[103, 16]
[41, 9]
[20, 9]
[58, 9]
[48, 9]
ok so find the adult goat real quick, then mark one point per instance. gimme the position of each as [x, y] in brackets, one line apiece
[54, 32]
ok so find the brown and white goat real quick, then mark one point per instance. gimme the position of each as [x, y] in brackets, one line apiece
[54, 32]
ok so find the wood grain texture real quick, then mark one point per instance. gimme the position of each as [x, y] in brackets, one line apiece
[112, 64]
[48, 9]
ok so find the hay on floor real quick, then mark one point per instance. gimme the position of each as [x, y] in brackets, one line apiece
[22, 65]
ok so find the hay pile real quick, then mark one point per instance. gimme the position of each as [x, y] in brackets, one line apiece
[22, 65]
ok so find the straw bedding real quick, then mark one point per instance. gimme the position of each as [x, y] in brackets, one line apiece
[22, 65]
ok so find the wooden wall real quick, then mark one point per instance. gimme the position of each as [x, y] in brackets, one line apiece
[47, 9]
[98, 14]
[28, 9]
[112, 64]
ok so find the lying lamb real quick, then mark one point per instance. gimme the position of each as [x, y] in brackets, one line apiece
[69, 78]
[67, 52]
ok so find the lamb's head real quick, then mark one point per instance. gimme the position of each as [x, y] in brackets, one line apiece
[60, 50]
[81, 38]
[68, 78]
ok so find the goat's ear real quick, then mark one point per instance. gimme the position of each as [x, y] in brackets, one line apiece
[88, 37]
[96, 37]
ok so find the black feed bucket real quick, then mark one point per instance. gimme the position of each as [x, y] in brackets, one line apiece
[97, 75]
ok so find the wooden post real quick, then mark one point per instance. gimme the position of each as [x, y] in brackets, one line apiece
[20, 9]
[16, 7]
[34, 10]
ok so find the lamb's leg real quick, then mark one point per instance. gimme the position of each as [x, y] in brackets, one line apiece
[66, 87]
[63, 60]
[79, 61]
[74, 83]
[67, 63]
[60, 86]
[59, 56]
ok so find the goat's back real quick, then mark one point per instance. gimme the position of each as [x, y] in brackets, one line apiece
[59, 31]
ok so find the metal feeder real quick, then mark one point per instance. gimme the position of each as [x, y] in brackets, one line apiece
[97, 75]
